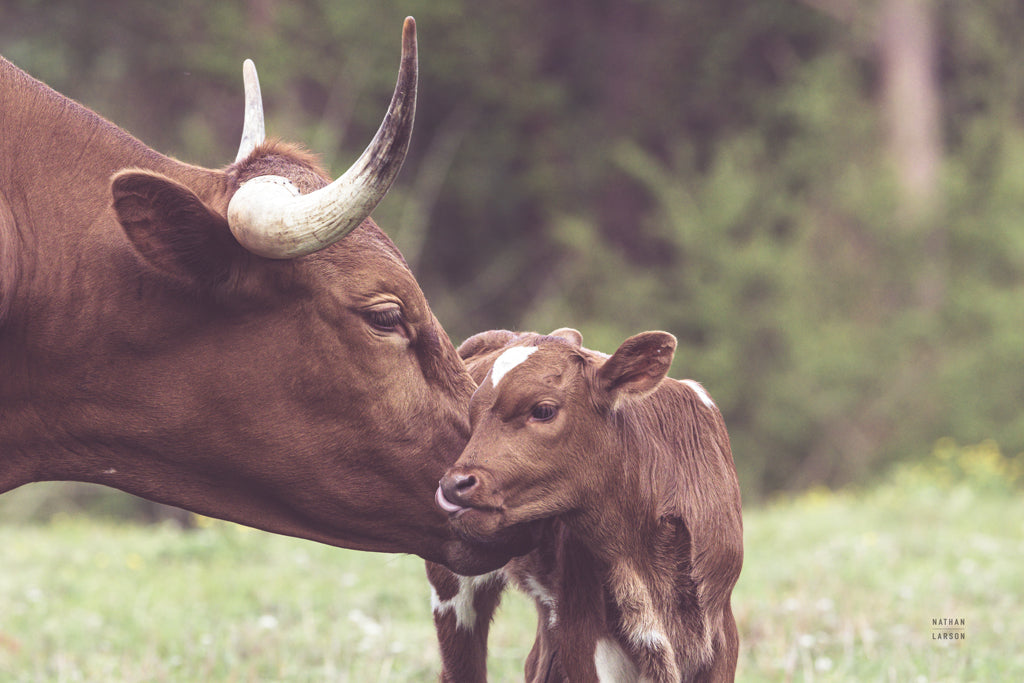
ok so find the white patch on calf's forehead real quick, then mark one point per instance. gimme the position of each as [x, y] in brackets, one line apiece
[701, 392]
[509, 359]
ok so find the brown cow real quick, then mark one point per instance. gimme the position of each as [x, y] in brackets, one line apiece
[627, 481]
[206, 338]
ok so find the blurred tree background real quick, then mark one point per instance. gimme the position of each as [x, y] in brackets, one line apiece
[821, 199]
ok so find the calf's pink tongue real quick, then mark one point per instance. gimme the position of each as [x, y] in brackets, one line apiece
[445, 504]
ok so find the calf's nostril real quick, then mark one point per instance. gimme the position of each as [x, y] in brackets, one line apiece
[464, 483]
[460, 488]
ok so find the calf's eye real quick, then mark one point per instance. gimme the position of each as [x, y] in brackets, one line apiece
[543, 412]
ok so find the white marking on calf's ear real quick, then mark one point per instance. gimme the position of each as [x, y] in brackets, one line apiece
[509, 359]
[701, 392]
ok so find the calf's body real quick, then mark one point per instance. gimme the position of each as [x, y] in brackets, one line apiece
[625, 482]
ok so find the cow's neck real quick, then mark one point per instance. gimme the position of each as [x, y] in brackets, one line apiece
[65, 154]
[56, 163]
[64, 267]
[57, 228]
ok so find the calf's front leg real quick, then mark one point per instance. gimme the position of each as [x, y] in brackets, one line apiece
[463, 607]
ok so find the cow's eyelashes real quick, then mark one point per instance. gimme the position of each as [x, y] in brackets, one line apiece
[385, 319]
[543, 412]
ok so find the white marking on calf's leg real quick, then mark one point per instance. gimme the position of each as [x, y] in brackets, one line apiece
[543, 596]
[462, 603]
[613, 665]
[650, 638]
[508, 360]
[641, 622]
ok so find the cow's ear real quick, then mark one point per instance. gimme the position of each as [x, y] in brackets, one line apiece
[639, 365]
[570, 335]
[172, 228]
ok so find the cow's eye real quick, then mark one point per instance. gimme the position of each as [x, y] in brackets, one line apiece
[385, 319]
[543, 412]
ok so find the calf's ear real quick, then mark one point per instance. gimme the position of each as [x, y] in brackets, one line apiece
[172, 228]
[568, 334]
[483, 342]
[639, 365]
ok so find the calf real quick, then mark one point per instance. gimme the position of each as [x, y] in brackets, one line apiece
[626, 484]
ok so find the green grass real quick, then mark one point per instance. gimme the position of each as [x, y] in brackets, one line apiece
[835, 587]
[845, 587]
[82, 600]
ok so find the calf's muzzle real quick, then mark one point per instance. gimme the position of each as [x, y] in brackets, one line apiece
[457, 491]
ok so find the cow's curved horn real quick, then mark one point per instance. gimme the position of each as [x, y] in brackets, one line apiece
[253, 131]
[269, 217]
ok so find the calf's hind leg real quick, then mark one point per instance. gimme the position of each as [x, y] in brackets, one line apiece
[726, 652]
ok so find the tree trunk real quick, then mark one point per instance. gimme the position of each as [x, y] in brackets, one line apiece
[910, 98]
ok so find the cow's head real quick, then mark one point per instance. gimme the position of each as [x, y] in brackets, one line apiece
[542, 419]
[257, 350]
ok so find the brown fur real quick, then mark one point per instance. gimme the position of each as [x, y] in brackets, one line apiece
[143, 348]
[634, 491]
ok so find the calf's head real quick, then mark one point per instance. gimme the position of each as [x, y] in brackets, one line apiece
[544, 427]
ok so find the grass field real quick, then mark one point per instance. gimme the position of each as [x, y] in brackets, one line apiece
[835, 587]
